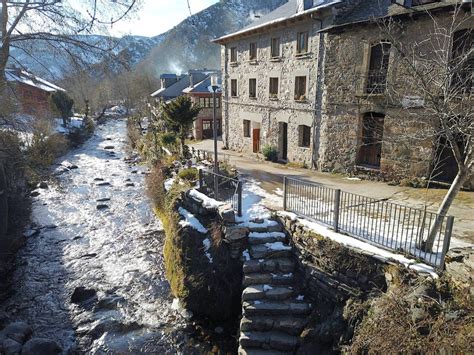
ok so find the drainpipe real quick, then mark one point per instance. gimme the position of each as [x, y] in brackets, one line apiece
[319, 99]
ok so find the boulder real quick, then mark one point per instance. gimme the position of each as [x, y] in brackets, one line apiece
[102, 207]
[41, 346]
[35, 193]
[11, 347]
[18, 331]
[82, 294]
[43, 185]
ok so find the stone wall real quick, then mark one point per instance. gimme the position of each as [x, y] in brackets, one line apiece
[264, 112]
[409, 144]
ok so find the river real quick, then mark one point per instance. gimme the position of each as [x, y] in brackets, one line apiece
[92, 276]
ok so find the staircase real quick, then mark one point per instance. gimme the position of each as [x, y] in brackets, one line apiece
[274, 315]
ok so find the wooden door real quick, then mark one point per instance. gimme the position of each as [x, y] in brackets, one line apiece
[370, 152]
[284, 140]
[256, 140]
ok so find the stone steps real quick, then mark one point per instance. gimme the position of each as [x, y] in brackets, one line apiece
[273, 315]
[268, 341]
[276, 308]
[272, 279]
[270, 250]
[263, 238]
[260, 292]
[284, 265]
[286, 324]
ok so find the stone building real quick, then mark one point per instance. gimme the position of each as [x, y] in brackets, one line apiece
[271, 83]
[32, 94]
[376, 117]
[202, 94]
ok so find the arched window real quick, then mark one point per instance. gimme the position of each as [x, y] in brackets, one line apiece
[378, 67]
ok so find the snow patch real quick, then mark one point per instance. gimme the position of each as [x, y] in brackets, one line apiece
[207, 246]
[207, 202]
[191, 221]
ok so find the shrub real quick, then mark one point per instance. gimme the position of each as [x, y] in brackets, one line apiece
[63, 105]
[45, 149]
[169, 140]
[190, 175]
[270, 153]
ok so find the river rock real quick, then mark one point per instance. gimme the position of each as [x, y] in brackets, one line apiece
[35, 193]
[105, 199]
[102, 207]
[82, 294]
[109, 147]
[11, 347]
[43, 185]
[18, 331]
[103, 184]
[130, 184]
[41, 346]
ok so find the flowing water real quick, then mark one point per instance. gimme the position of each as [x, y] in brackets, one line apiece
[109, 257]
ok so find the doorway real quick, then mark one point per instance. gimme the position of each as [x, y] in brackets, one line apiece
[283, 140]
[370, 151]
[256, 140]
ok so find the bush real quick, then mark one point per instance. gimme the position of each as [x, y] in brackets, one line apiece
[45, 149]
[63, 104]
[270, 153]
[169, 140]
[190, 175]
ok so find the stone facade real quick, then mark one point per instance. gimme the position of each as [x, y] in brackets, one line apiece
[268, 114]
[408, 146]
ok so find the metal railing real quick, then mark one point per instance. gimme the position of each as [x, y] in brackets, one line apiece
[222, 188]
[389, 225]
[202, 154]
[376, 82]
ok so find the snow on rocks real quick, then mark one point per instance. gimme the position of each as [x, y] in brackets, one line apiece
[191, 221]
[169, 183]
[206, 202]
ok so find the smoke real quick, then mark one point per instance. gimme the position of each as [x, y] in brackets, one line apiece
[176, 68]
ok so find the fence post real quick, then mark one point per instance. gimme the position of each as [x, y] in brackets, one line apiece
[337, 203]
[285, 192]
[200, 179]
[447, 239]
[239, 192]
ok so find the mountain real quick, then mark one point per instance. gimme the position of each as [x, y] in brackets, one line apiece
[188, 45]
[184, 47]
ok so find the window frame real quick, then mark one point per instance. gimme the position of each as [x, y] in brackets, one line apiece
[380, 84]
[274, 95]
[300, 50]
[298, 95]
[247, 128]
[304, 136]
[234, 92]
[234, 55]
[252, 88]
[253, 47]
[273, 47]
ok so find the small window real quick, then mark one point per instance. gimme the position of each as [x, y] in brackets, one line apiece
[300, 88]
[302, 43]
[202, 102]
[274, 88]
[253, 51]
[304, 136]
[378, 68]
[275, 47]
[233, 55]
[246, 128]
[233, 88]
[253, 88]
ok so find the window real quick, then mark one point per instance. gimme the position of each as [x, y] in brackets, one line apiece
[462, 62]
[208, 102]
[378, 68]
[253, 88]
[300, 88]
[274, 88]
[275, 47]
[246, 128]
[253, 51]
[304, 136]
[302, 43]
[233, 88]
[233, 55]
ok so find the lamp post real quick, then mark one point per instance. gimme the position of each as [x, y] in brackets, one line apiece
[215, 86]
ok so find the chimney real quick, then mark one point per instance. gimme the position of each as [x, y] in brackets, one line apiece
[304, 5]
[191, 81]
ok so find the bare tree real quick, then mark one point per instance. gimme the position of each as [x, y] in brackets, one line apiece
[58, 24]
[434, 72]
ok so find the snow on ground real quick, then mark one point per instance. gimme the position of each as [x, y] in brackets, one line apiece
[75, 122]
[191, 221]
[378, 253]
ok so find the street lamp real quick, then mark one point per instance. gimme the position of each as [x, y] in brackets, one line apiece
[215, 86]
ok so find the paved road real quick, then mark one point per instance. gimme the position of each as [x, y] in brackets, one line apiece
[271, 177]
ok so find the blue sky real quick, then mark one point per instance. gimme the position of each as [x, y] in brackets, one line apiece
[158, 16]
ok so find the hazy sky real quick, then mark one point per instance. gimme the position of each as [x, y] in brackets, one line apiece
[158, 16]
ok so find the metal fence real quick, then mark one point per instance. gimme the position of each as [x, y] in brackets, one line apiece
[222, 188]
[202, 154]
[389, 225]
